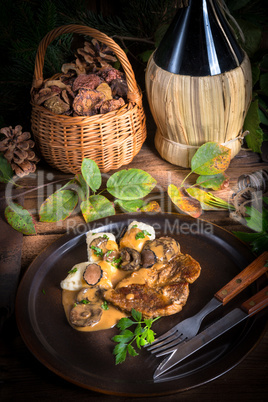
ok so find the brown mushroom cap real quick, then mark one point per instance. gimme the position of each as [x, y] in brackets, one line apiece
[148, 258]
[85, 315]
[165, 248]
[99, 243]
[88, 293]
[92, 274]
[130, 259]
[111, 255]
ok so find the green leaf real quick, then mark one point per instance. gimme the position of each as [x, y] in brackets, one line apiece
[150, 335]
[255, 70]
[252, 35]
[257, 220]
[84, 189]
[152, 206]
[124, 337]
[91, 173]
[260, 244]
[130, 205]
[139, 330]
[257, 241]
[120, 352]
[58, 206]
[124, 323]
[248, 237]
[131, 350]
[159, 33]
[252, 124]
[6, 172]
[148, 322]
[20, 219]
[130, 184]
[211, 158]
[137, 315]
[184, 202]
[144, 56]
[263, 119]
[96, 207]
[215, 182]
[208, 198]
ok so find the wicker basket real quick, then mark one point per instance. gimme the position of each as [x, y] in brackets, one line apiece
[110, 139]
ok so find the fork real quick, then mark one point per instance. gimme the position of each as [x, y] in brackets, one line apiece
[188, 328]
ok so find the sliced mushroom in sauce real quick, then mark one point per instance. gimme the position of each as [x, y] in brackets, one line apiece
[88, 294]
[98, 245]
[111, 255]
[165, 248]
[85, 315]
[130, 259]
[148, 258]
[92, 274]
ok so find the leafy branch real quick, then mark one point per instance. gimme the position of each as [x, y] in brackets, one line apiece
[256, 220]
[142, 335]
[210, 162]
[127, 186]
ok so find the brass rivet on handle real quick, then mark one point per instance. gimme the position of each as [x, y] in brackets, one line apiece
[238, 280]
[224, 292]
[252, 303]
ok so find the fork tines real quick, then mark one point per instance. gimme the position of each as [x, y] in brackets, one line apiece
[166, 342]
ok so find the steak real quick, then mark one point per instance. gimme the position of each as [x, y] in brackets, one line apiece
[160, 290]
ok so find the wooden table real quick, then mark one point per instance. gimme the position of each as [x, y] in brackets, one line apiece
[23, 378]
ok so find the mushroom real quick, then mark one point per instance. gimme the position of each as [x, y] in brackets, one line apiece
[85, 315]
[111, 255]
[165, 248]
[92, 274]
[88, 294]
[99, 243]
[148, 258]
[130, 259]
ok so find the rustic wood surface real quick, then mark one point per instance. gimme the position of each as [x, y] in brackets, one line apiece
[23, 378]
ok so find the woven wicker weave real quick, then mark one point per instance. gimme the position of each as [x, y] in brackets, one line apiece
[110, 139]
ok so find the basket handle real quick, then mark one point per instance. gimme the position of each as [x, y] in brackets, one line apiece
[133, 95]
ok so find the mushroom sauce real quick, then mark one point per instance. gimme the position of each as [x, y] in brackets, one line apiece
[107, 267]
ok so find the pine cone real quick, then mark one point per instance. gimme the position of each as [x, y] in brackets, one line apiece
[17, 149]
[94, 56]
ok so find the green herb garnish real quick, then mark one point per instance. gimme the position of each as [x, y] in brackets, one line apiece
[142, 335]
[142, 234]
[109, 252]
[105, 306]
[72, 271]
[85, 301]
[97, 251]
[105, 237]
[134, 226]
[116, 261]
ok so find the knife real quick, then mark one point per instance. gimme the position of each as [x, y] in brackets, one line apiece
[187, 348]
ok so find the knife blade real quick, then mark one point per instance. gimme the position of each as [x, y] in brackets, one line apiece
[185, 349]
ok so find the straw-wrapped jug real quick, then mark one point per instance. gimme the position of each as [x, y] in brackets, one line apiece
[198, 83]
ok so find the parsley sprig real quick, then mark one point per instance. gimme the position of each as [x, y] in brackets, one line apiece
[142, 335]
[142, 234]
[97, 251]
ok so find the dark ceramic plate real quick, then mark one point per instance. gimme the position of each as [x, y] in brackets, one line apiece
[86, 359]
